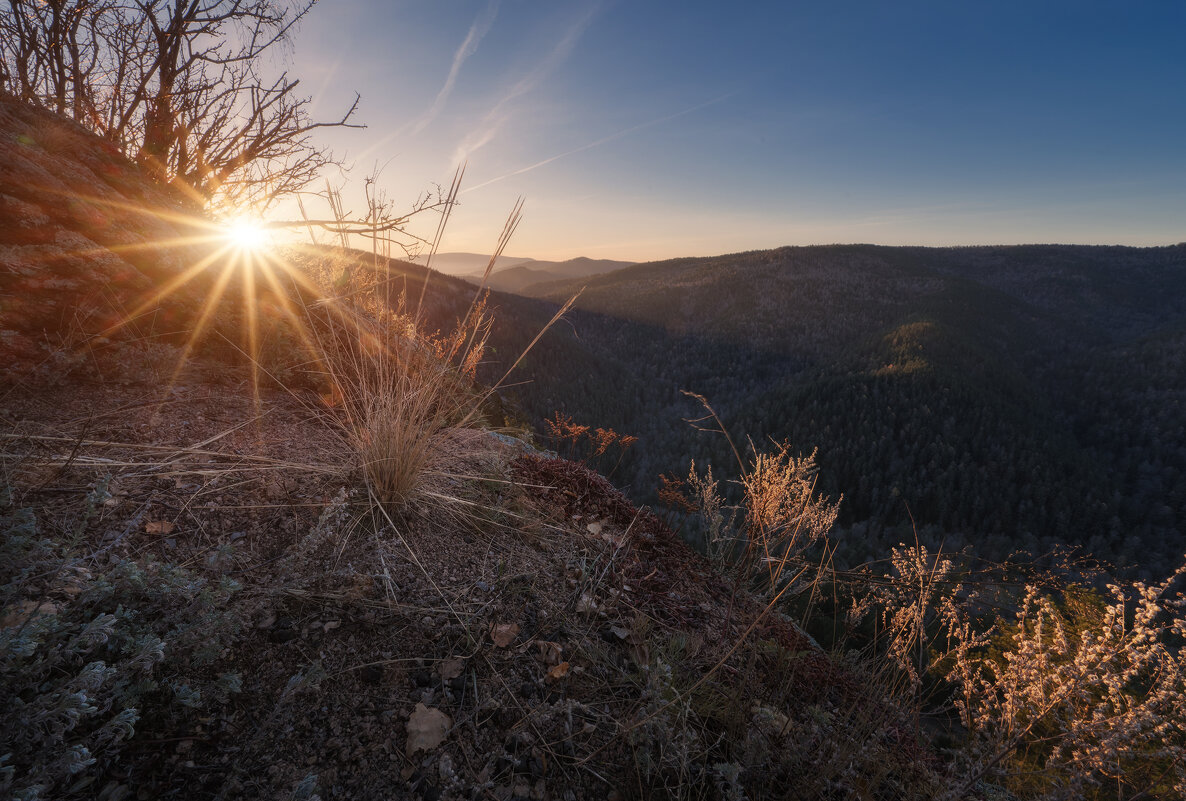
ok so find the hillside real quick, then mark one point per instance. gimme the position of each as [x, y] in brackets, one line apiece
[76, 225]
[1004, 396]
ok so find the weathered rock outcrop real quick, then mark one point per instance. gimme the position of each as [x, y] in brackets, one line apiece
[85, 238]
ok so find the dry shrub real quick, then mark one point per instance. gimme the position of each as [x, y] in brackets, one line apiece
[780, 516]
[394, 432]
[395, 388]
[393, 384]
[1083, 693]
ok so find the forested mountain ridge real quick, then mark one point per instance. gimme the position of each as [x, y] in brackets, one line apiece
[1006, 396]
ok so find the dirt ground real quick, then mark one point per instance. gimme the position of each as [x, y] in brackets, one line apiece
[519, 630]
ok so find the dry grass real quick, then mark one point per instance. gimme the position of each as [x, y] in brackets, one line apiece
[393, 385]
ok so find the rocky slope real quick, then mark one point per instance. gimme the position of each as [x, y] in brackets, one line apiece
[84, 238]
[199, 601]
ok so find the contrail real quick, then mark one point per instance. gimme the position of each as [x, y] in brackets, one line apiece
[496, 117]
[602, 141]
[477, 31]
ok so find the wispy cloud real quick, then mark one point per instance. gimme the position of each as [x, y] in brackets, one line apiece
[477, 31]
[603, 140]
[490, 125]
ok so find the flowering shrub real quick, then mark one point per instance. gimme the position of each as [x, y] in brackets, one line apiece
[1089, 691]
[1074, 694]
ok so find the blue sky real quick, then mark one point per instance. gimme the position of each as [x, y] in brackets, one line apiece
[644, 130]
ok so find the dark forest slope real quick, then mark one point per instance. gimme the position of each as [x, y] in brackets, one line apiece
[1008, 396]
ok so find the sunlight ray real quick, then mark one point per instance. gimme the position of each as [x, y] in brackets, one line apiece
[200, 325]
[285, 306]
[169, 288]
[251, 316]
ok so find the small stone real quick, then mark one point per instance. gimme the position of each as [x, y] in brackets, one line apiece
[427, 729]
[371, 674]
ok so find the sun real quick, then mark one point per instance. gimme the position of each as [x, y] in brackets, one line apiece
[248, 235]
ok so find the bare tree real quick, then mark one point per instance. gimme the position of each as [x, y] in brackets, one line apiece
[178, 85]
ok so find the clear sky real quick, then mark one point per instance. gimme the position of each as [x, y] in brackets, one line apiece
[644, 130]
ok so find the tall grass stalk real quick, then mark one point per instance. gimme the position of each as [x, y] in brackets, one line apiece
[394, 385]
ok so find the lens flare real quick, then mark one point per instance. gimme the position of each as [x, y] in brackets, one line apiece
[247, 235]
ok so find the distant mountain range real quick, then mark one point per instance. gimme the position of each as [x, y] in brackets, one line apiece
[517, 275]
[461, 264]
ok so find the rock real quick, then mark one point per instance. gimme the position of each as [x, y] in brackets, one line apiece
[427, 728]
[282, 630]
[770, 721]
[25, 611]
[86, 237]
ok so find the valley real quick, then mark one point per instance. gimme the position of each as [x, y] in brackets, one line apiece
[1003, 397]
